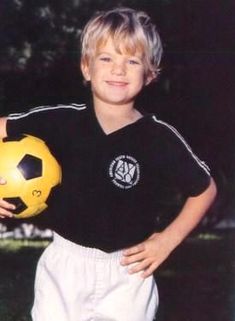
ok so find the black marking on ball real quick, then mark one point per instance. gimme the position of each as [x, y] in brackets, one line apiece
[36, 193]
[30, 166]
[14, 138]
[19, 204]
[54, 194]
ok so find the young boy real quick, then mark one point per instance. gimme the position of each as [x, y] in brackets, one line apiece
[120, 169]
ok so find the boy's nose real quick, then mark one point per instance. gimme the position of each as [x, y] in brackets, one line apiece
[118, 69]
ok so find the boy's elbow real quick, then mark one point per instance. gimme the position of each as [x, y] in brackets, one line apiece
[212, 190]
[3, 127]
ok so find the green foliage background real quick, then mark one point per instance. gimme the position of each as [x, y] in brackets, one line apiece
[39, 64]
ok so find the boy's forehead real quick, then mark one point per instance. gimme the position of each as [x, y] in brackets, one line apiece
[118, 46]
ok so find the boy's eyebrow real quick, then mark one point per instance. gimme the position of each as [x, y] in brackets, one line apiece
[134, 55]
[103, 52]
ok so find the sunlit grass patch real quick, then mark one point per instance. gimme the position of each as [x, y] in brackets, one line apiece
[11, 245]
[209, 237]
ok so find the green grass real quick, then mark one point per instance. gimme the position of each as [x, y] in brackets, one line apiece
[197, 283]
[8, 245]
[18, 260]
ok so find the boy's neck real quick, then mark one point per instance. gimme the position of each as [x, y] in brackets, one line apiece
[114, 117]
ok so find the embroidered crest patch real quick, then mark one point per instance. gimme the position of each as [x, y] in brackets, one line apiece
[124, 171]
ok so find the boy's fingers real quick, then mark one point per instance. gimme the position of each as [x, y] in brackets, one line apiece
[150, 270]
[6, 205]
[5, 209]
[5, 213]
[2, 181]
[134, 250]
[126, 260]
[141, 266]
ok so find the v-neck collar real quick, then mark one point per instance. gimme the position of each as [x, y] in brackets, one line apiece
[100, 130]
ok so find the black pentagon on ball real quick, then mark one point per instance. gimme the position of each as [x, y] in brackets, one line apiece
[30, 166]
[53, 196]
[19, 204]
[14, 138]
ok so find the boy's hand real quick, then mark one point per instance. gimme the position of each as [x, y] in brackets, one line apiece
[5, 207]
[2, 181]
[147, 255]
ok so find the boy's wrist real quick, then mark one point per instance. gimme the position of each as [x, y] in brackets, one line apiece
[170, 239]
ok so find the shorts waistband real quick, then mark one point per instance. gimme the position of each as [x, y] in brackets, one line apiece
[83, 250]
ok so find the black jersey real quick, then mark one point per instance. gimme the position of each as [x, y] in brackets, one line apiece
[113, 186]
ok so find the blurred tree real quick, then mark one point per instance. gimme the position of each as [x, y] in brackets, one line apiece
[36, 37]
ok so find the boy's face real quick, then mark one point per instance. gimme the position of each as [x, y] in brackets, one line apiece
[115, 78]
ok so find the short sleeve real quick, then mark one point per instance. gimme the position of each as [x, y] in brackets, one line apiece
[187, 171]
[53, 124]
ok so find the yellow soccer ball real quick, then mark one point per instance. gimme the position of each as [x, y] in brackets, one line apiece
[31, 172]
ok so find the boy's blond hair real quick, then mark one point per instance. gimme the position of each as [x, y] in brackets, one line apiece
[131, 31]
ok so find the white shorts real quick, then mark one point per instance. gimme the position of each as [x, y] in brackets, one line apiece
[75, 283]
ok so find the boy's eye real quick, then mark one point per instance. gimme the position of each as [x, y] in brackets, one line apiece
[134, 62]
[105, 59]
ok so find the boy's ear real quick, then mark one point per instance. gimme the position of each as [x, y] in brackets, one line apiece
[149, 79]
[85, 70]
[151, 76]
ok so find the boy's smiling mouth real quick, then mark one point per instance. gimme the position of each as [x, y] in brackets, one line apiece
[117, 83]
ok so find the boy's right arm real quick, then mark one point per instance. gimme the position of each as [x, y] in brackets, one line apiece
[3, 127]
[5, 207]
